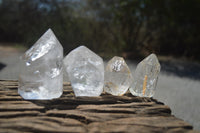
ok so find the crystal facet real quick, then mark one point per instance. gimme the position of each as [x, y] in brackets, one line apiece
[85, 70]
[145, 77]
[117, 76]
[41, 74]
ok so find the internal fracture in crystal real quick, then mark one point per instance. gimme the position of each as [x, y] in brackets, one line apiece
[41, 74]
[85, 70]
[146, 77]
[117, 76]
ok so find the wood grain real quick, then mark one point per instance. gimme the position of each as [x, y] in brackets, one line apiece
[105, 113]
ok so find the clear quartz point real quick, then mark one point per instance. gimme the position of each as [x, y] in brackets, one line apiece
[117, 76]
[146, 77]
[85, 70]
[41, 74]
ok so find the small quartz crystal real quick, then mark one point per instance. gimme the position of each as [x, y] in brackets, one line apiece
[145, 77]
[117, 76]
[41, 74]
[85, 70]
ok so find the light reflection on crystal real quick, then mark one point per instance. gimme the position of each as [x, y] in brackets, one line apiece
[145, 77]
[41, 76]
[85, 70]
[117, 76]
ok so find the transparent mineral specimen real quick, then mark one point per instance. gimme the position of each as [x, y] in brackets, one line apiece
[145, 77]
[117, 76]
[41, 75]
[85, 70]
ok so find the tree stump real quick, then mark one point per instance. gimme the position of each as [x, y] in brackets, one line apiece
[68, 113]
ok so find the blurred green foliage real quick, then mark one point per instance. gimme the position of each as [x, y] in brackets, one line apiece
[130, 28]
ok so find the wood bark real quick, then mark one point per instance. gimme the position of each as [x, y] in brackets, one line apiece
[68, 113]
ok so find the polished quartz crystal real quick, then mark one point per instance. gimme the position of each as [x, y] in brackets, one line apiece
[85, 70]
[145, 77]
[117, 76]
[41, 74]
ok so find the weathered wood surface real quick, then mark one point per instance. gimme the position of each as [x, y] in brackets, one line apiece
[105, 113]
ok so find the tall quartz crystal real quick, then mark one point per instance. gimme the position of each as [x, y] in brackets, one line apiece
[117, 76]
[145, 77]
[41, 75]
[85, 70]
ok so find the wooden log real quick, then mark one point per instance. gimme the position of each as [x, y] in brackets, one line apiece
[105, 113]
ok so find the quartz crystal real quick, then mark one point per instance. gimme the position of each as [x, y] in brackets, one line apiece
[117, 76]
[41, 75]
[85, 70]
[145, 77]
